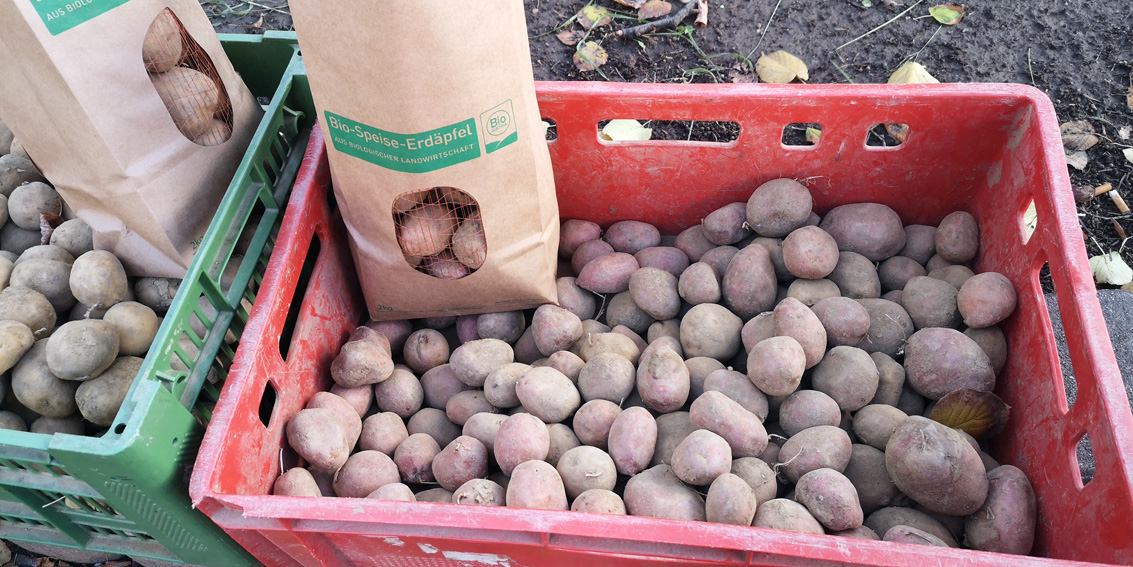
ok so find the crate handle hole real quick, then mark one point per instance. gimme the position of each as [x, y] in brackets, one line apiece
[1029, 221]
[267, 404]
[887, 135]
[705, 131]
[1084, 456]
[550, 129]
[118, 429]
[801, 134]
[298, 296]
[1069, 382]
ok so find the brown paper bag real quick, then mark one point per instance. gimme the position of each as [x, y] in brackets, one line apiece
[138, 129]
[436, 151]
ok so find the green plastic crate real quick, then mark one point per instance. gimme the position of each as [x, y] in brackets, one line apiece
[126, 492]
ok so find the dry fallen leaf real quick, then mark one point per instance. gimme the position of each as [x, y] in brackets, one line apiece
[899, 131]
[1111, 269]
[589, 56]
[654, 9]
[738, 76]
[622, 130]
[1077, 159]
[1128, 152]
[911, 73]
[1078, 135]
[635, 4]
[947, 14]
[591, 16]
[781, 68]
[979, 414]
[570, 37]
[813, 135]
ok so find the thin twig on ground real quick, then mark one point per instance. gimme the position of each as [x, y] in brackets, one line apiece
[1029, 70]
[670, 21]
[887, 22]
[765, 28]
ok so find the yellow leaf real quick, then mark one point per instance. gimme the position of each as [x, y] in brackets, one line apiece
[1128, 153]
[813, 135]
[911, 73]
[979, 414]
[947, 14]
[654, 9]
[589, 56]
[781, 68]
[1111, 269]
[592, 16]
[625, 131]
[570, 37]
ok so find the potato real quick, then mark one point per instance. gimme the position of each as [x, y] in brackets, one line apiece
[630, 236]
[757, 329]
[848, 375]
[342, 412]
[875, 423]
[776, 365]
[38, 389]
[469, 245]
[100, 398]
[548, 394]
[1006, 522]
[396, 332]
[479, 492]
[588, 252]
[156, 293]
[822, 446]
[15, 340]
[759, 477]
[521, 437]
[667, 258]
[598, 501]
[632, 440]
[499, 386]
[726, 225]
[13, 422]
[363, 473]
[401, 393]
[939, 361]
[699, 367]
[860, 532]
[473, 361]
[936, 467]
[885, 519]
[6, 267]
[786, 515]
[856, 276]
[554, 328]
[891, 379]
[955, 275]
[738, 387]
[16, 240]
[484, 426]
[699, 284]
[162, 47]
[136, 325]
[896, 271]
[831, 498]
[804, 409]
[436, 495]
[425, 349]
[693, 243]
[866, 471]
[572, 298]
[592, 422]
[296, 481]
[608, 274]
[870, 229]
[395, 491]
[749, 284]
[363, 360]
[574, 232]
[710, 330]
[701, 457]
[536, 484]
[16, 171]
[810, 253]
[795, 320]
[465, 404]
[584, 468]
[81, 350]
[730, 500]
[810, 292]
[382, 432]
[439, 384]
[70, 425]
[889, 327]
[719, 257]
[28, 307]
[906, 534]
[606, 376]
[920, 243]
[435, 423]
[464, 459]
[658, 493]
[778, 207]
[27, 202]
[191, 98]
[993, 343]
[443, 266]
[845, 320]
[662, 379]
[636, 338]
[654, 291]
[414, 457]
[957, 238]
[562, 439]
[668, 329]
[98, 279]
[592, 344]
[318, 438]
[930, 302]
[426, 230]
[741, 429]
[984, 299]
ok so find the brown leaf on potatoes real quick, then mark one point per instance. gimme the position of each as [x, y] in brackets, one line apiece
[591, 16]
[589, 56]
[1078, 135]
[654, 9]
[570, 37]
[979, 414]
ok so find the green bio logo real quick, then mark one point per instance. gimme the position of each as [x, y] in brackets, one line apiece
[62, 15]
[498, 125]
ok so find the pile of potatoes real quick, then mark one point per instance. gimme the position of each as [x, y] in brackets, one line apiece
[181, 77]
[73, 328]
[440, 232]
[766, 367]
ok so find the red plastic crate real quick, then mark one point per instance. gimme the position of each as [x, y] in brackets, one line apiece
[987, 149]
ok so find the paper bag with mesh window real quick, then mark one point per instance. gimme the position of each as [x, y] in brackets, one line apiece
[437, 153]
[133, 111]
